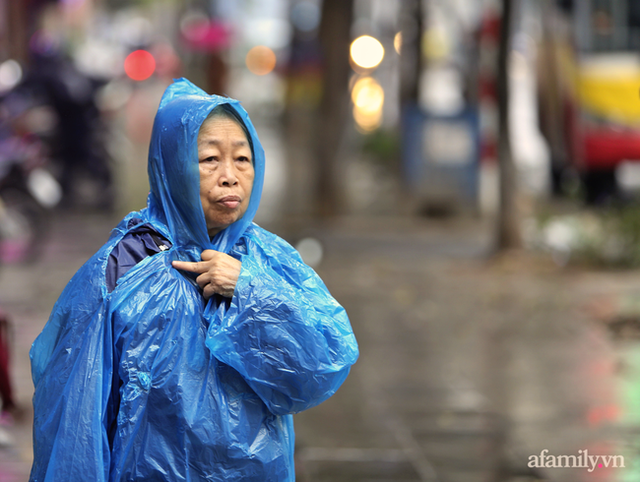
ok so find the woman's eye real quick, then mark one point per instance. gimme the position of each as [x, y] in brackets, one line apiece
[209, 159]
[243, 159]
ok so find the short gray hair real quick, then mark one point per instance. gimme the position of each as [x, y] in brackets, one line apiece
[226, 111]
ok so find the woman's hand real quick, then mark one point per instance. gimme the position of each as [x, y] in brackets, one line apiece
[218, 272]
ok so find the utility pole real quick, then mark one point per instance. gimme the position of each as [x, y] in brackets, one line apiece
[508, 228]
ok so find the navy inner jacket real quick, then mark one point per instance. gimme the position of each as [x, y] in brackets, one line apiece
[134, 247]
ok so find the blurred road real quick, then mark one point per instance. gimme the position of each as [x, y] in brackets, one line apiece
[467, 367]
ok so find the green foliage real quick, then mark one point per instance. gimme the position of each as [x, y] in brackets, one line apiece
[627, 221]
[608, 237]
[382, 146]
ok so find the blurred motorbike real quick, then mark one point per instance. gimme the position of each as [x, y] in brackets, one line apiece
[76, 134]
[28, 191]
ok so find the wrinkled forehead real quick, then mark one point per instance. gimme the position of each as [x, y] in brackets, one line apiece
[215, 125]
[219, 119]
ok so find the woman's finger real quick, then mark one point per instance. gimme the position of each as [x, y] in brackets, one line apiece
[208, 291]
[203, 280]
[208, 254]
[193, 267]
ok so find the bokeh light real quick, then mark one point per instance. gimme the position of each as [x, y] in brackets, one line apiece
[43, 43]
[397, 42]
[305, 16]
[260, 60]
[139, 65]
[73, 3]
[368, 99]
[10, 75]
[367, 52]
[310, 250]
[435, 44]
[193, 24]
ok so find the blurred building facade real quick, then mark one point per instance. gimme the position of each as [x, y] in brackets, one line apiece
[268, 55]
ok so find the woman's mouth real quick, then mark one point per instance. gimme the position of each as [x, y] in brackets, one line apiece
[230, 202]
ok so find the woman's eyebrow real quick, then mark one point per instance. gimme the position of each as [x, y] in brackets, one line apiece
[234, 143]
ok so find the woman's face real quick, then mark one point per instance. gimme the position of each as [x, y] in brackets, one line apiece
[226, 172]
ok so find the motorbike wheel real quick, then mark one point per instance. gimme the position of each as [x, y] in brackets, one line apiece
[23, 227]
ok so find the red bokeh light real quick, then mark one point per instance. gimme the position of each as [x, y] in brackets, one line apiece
[139, 65]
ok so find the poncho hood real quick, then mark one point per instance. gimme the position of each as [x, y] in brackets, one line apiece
[174, 176]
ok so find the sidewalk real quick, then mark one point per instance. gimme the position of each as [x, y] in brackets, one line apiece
[467, 367]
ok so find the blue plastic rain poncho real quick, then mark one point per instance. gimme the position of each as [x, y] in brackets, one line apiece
[148, 381]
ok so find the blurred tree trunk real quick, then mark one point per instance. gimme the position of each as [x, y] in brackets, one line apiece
[335, 38]
[15, 32]
[550, 108]
[508, 236]
[411, 65]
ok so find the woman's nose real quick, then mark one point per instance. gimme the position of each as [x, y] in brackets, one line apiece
[228, 176]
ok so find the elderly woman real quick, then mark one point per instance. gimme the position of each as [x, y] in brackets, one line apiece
[182, 348]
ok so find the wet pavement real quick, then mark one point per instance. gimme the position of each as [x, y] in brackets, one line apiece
[468, 367]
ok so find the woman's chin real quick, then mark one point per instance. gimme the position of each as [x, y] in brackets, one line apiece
[220, 224]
